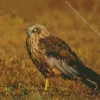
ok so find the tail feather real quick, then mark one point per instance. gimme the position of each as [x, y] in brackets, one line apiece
[89, 77]
[88, 83]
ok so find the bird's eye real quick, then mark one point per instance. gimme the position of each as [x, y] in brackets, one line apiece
[34, 30]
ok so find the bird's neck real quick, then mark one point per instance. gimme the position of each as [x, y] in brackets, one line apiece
[33, 45]
[32, 42]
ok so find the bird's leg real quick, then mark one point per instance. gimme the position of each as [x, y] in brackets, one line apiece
[46, 83]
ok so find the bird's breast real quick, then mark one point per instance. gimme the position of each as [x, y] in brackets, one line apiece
[32, 46]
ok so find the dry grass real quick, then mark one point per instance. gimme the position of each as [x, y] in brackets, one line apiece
[19, 79]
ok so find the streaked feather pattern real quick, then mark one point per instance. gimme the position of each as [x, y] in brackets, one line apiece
[58, 54]
[53, 57]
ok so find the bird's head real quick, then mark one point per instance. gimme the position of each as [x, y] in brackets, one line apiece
[37, 31]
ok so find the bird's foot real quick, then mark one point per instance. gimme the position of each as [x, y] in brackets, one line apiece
[46, 84]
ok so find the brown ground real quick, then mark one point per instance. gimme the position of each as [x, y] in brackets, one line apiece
[19, 79]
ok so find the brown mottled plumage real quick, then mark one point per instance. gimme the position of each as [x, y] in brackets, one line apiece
[53, 57]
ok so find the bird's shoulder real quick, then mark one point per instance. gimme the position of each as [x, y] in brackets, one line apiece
[56, 47]
[58, 54]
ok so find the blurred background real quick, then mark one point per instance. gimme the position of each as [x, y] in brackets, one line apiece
[19, 79]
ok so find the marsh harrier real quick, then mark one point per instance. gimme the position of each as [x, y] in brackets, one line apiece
[53, 57]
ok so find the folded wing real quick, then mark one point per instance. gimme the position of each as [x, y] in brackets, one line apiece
[58, 54]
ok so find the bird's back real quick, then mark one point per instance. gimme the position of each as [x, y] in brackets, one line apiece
[53, 57]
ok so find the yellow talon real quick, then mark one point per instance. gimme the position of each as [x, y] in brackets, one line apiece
[46, 84]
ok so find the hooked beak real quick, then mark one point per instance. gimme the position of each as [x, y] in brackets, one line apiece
[28, 33]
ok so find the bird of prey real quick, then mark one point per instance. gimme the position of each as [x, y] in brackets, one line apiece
[54, 58]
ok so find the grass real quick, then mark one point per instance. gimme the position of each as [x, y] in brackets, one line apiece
[19, 79]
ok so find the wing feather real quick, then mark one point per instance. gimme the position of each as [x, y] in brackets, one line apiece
[58, 54]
